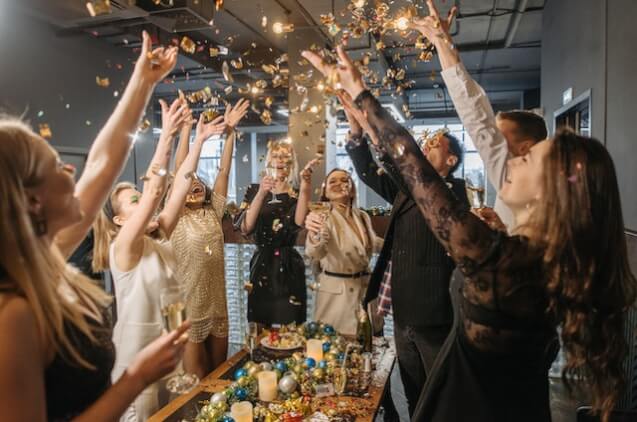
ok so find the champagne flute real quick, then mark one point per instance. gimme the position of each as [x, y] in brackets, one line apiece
[475, 193]
[173, 310]
[323, 209]
[273, 173]
[252, 337]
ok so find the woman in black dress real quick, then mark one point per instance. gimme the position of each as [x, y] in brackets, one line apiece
[278, 293]
[566, 266]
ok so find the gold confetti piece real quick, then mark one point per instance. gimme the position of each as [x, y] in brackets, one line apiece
[237, 64]
[116, 94]
[102, 82]
[88, 123]
[266, 117]
[98, 7]
[425, 56]
[248, 286]
[261, 84]
[432, 76]
[380, 45]
[208, 250]
[245, 158]
[294, 301]
[40, 113]
[45, 131]
[359, 3]
[269, 68]
[225, 69]
[218, 5]
[268, 102]
[188, 45]
[279, 28]
[144, 126]
[209, 115]
[400, 75]
[214, 52]
[264, 21]
[380, 171]
[228, 90]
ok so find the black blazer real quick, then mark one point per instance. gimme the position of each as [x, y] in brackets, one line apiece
[421, 268]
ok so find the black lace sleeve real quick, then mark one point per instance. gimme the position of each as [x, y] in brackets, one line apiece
[469, 241]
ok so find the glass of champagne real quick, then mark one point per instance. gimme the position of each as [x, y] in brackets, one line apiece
[323, 209]
[475, 193]
[173, 310]
[273, 173]
[252, 336]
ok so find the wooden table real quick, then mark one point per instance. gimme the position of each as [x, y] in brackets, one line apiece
[213, 384]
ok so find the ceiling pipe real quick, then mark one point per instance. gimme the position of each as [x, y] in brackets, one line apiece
[515, 22]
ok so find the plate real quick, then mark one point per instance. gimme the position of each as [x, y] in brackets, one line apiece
[288, 341]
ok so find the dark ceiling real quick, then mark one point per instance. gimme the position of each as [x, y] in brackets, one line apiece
[499, 41]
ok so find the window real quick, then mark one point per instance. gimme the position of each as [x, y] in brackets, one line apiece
[209, 165]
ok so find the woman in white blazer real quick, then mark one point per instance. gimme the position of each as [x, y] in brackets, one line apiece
[341, 240]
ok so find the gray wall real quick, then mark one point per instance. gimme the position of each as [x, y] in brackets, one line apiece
[589, 44]
[41, 71]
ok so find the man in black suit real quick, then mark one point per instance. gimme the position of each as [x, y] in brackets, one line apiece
[420, 267]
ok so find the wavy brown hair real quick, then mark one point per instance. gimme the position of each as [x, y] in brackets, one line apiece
[590, 285]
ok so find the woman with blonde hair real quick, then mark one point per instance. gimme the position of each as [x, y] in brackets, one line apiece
[140, 257]
[342, 241]
[277, 294]
[199, 251]
[57, 354]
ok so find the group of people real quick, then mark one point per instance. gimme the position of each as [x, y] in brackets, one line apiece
[479, 297]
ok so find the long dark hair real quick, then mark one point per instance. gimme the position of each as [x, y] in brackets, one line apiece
[590, 285]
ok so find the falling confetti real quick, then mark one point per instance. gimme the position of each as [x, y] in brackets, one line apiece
[245, 158]
[188, 45]
[102, 82]
[144, 126]
[98, 7]
[45, 131]
[225, 70]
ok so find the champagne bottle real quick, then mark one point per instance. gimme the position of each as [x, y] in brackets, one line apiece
[364, 329]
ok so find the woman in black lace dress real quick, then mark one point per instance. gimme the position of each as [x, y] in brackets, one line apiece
[565, 266]
[278, 294]
[56, 356]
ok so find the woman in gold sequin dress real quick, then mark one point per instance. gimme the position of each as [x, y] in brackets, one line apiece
[198, 245]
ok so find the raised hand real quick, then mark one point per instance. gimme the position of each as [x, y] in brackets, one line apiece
[206, 130]
[432, 26]
[343, 75]
[233, 115]
[173, 117]
[160, 357]
[266, 185]
[306, 173]
[154, 65]
[357, 117]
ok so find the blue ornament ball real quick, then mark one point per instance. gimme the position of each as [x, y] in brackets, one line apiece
[328, 329]
[322, 364]
[227, 418]
[281, 366]
[312, 327]
[241, 372]
[310, 362]
[241, 393]
[326, 346]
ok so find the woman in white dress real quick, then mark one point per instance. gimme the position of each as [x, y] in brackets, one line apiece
[342, 241]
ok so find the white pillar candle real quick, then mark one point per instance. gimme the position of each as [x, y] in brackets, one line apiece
[315, 350]
[267, 385]
[241, 411]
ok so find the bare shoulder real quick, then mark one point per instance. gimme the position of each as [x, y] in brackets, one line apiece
[17, 320]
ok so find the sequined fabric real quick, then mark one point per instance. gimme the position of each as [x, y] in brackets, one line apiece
[198, 244]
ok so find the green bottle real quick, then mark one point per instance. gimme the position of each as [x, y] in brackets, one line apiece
[364, 330]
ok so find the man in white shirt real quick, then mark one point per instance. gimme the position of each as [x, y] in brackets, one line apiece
[498, 139]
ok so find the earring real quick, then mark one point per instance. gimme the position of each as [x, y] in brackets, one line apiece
[40, 227]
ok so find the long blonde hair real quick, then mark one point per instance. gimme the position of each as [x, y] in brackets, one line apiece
[35, 269]
[105, 230]
[273, 146]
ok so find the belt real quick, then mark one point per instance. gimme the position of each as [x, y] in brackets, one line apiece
[339, 275]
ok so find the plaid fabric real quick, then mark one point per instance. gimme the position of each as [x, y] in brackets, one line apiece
[384, 294]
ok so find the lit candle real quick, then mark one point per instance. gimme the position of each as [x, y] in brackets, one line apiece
[315, 350]
[242, 411]
[267, 385]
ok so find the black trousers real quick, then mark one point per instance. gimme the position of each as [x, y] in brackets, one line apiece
[417, 348]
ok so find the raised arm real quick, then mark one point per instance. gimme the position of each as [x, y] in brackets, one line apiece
[130, 238]
[358, 149]
[183, 179]
[248, 219]
[469, 99]
[184, 143]
[110, 149]
[305, 192]
[232, 117]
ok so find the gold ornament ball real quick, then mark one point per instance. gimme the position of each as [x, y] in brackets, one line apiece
[318, 373]
[243, 381]
[254, 370]
[330, 357]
